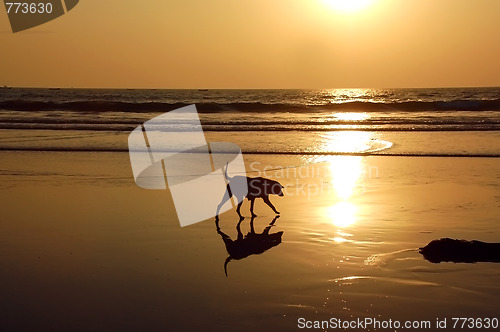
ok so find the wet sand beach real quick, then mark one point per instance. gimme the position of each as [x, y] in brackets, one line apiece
[84, 248]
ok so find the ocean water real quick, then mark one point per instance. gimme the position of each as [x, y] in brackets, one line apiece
[442, 122]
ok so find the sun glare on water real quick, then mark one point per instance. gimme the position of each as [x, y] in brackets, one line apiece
[351, 116]
[348, 5]
[343, 214]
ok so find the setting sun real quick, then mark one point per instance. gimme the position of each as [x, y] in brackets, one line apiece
[348, 5]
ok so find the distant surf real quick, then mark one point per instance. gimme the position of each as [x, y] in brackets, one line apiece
[299, 119]
[204, 107]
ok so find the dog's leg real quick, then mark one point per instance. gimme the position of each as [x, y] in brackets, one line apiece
[268, 228]
[252, 201]
[217, 227]
[238, 210]
[227, 196]
[252, 229]
[268, 202]
[274, 220]
[238, 229]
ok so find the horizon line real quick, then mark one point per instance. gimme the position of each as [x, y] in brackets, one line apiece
[219, 88]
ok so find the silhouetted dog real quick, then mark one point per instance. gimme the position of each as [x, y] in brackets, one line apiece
[257, 187]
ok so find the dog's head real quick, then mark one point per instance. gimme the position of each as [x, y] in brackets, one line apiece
[277, 189]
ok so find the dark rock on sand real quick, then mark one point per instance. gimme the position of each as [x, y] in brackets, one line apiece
[461, 251]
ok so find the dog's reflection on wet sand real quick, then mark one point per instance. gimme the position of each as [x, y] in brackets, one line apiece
[250, 244]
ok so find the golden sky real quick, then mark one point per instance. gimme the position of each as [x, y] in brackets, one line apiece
[258, 44]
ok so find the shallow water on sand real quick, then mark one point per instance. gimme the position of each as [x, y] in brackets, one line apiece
[81, 243]
[407, 143]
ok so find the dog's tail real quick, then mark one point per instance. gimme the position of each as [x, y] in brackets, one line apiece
[225, 172]
[225, 264]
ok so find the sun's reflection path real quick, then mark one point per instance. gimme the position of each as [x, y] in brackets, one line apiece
[343, 214]
[350, 116]
[346, 173]
[347, 142]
